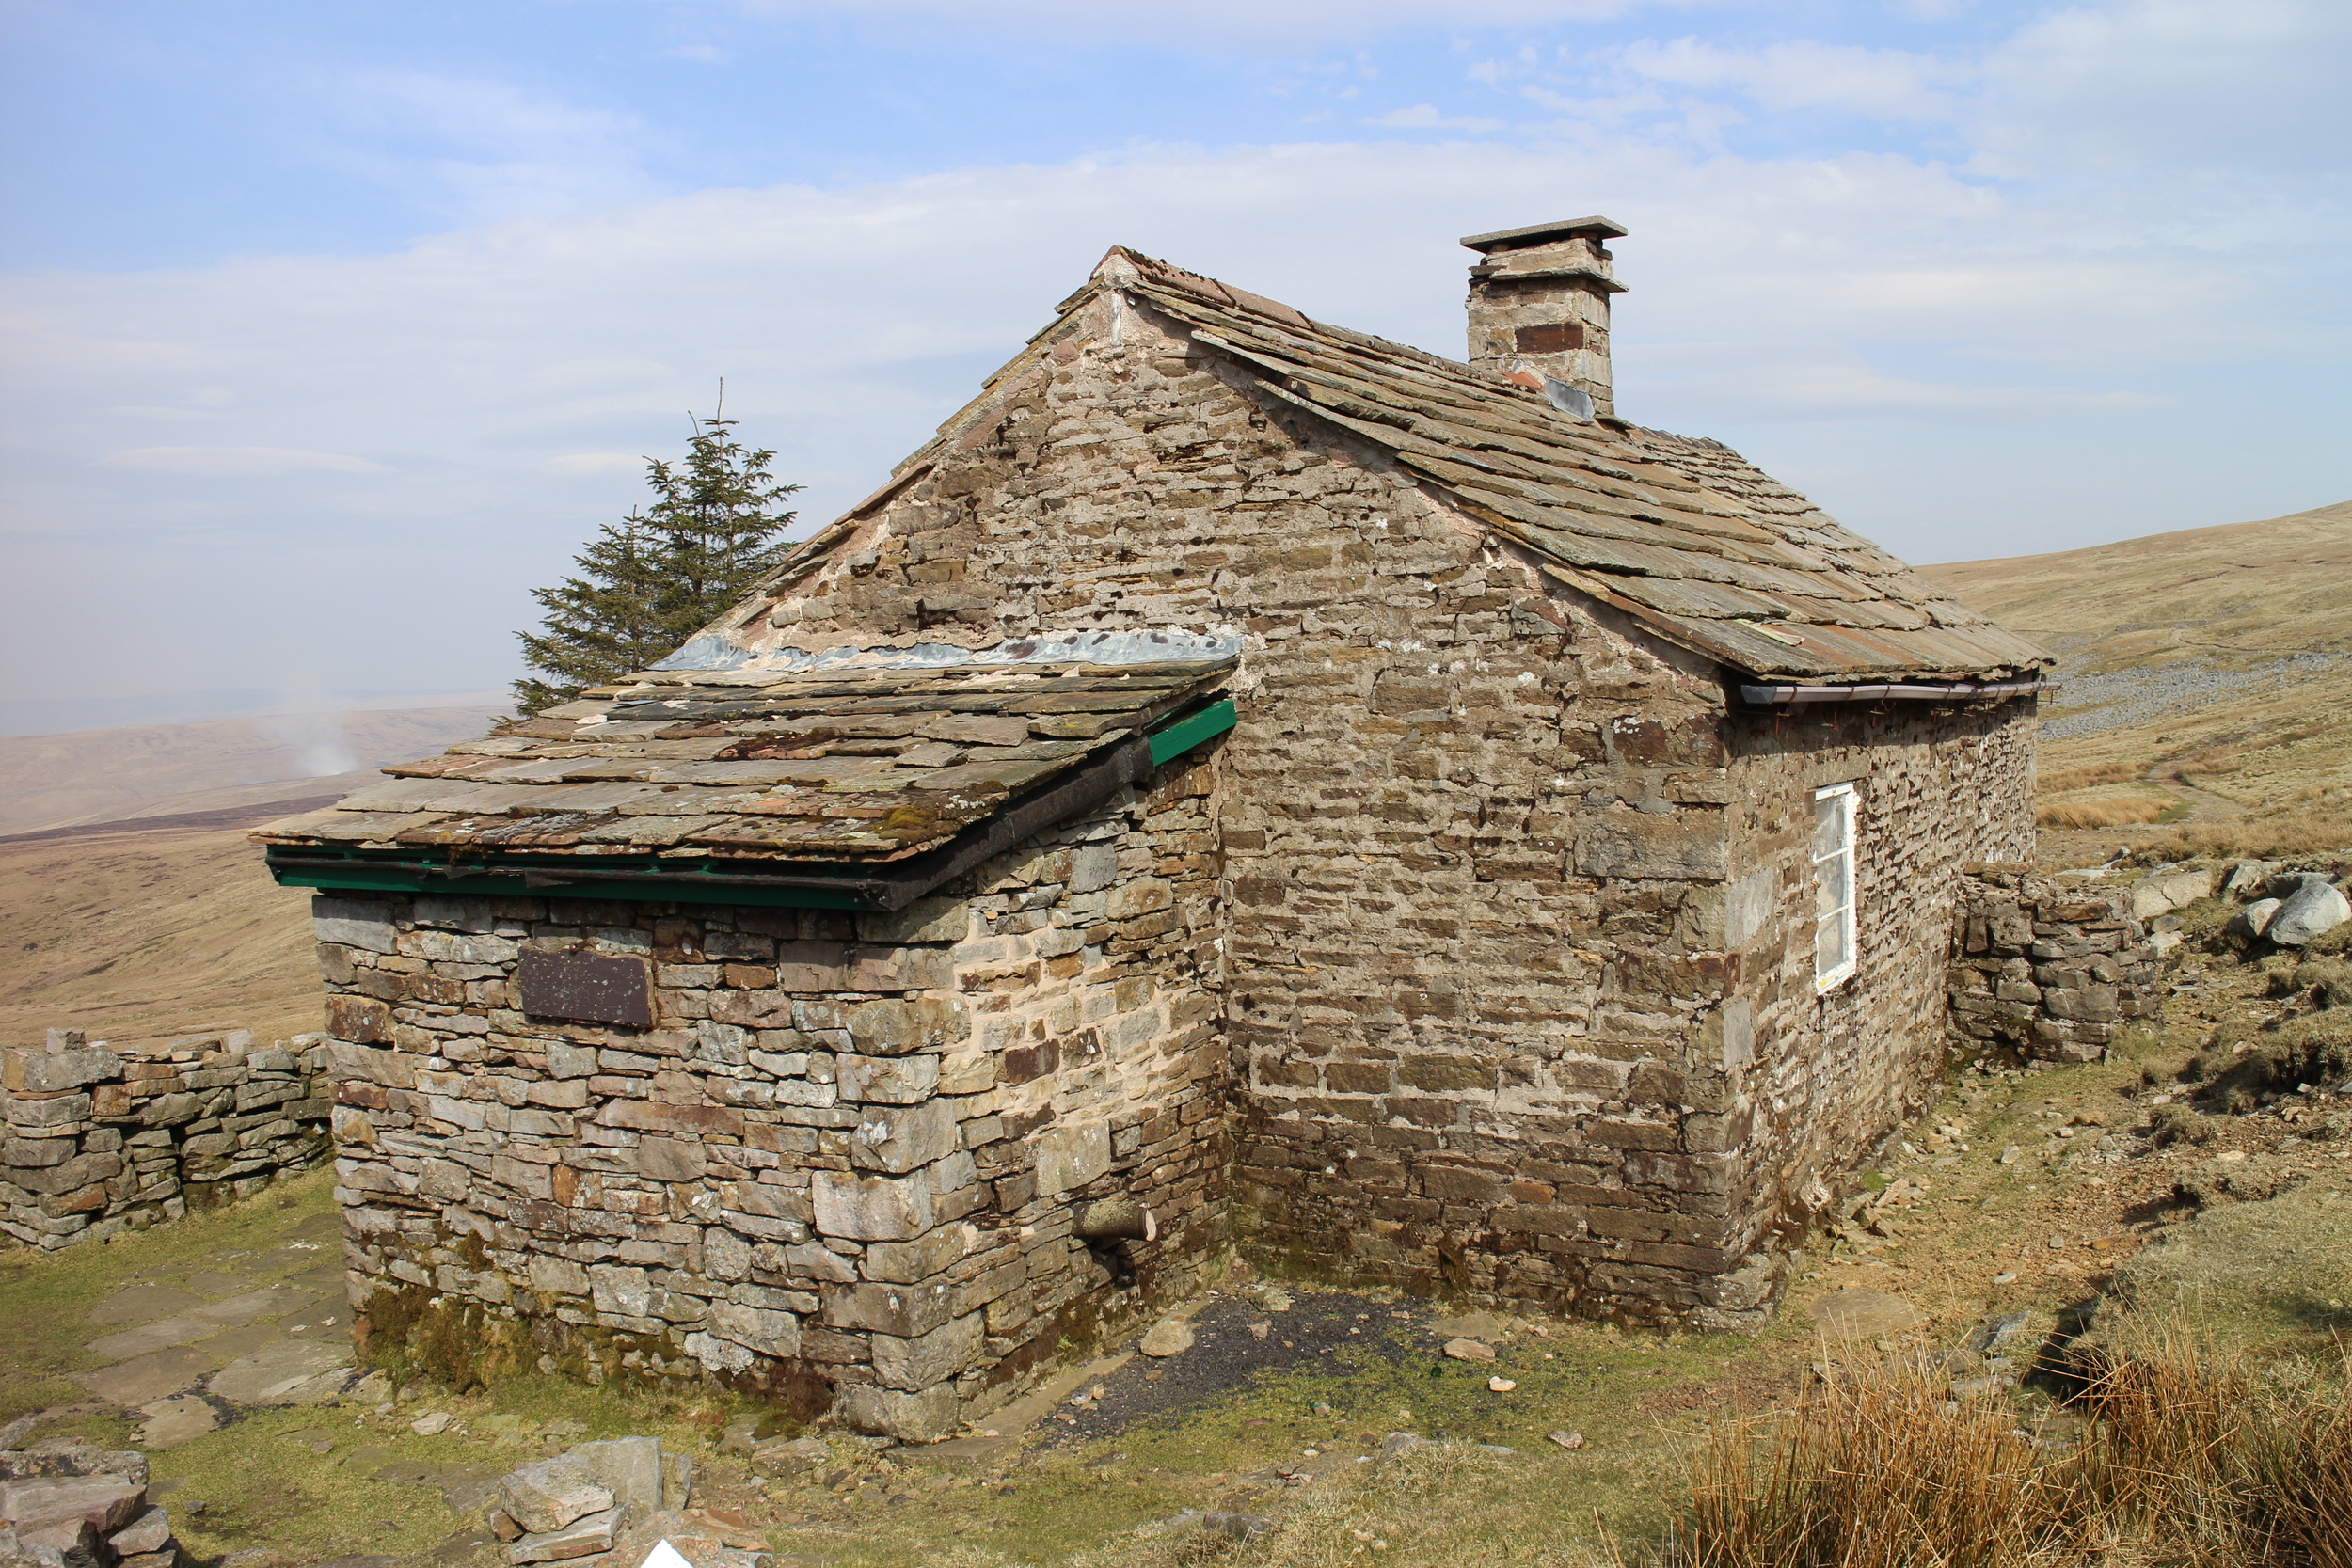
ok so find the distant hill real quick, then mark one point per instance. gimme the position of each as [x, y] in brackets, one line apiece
[2219, 658]
[146, 931]
[48, 780]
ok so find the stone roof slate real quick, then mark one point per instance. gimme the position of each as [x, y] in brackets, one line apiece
[869, 765]
[1685, 535]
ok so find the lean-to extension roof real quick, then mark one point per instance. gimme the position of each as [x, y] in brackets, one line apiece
[873, 760]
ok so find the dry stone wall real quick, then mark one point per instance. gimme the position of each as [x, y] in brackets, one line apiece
[2049, 968]
[100, 1139]
[843, 1167]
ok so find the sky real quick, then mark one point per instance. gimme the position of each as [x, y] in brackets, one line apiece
[333, 330]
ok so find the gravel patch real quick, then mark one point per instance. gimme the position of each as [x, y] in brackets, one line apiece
[1322, 1330]
[2127, 697]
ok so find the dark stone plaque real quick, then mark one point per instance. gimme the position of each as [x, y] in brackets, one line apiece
[1548, 339]
[587, 987]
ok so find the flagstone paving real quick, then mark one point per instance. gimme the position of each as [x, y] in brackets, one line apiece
[249, 1328]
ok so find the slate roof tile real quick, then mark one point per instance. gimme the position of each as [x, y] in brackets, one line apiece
[872, 764]
[1686, 530]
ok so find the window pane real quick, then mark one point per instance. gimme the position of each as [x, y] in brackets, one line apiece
[1829, 943]
[1833, 884]
[1829, 825]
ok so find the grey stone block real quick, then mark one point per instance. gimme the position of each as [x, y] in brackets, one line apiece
[352, 922]
[927, 1358]
[887, 1080]
[553, 1494]
[896, 1028]
[902, 1138]
[864, 1208]
[629, 1467]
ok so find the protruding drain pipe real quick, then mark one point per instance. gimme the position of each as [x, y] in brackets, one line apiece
[1106, 1225]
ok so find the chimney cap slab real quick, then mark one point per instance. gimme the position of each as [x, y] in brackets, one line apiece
[1537, 233]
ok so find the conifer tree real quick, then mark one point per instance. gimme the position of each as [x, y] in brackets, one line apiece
[652, 579]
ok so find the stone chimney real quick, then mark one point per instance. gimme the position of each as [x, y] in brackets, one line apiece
[1540, 310]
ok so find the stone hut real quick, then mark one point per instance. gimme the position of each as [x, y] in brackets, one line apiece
[1245, 783]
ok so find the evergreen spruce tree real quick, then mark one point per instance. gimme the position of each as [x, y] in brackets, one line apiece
[652, 579]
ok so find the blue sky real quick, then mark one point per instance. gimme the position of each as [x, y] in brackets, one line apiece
[333, 330]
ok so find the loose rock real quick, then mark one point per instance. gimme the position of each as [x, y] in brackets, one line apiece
[1468, 1350]
[1857, 1313]
[1168, 1336]
[553, 1495]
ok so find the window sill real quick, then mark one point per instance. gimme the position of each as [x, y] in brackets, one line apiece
[1825, 984]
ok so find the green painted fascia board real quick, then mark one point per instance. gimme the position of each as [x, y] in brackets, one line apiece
[1187, 733]
[395, 878]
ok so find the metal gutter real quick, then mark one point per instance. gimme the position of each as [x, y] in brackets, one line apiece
[1769, 696]
[881, 889]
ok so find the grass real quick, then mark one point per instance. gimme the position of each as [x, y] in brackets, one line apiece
[43, 1296]
[2187, 1457]
[2107, 807]
[2323, 829]
[2087, 778]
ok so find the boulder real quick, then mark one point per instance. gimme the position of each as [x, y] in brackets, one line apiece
[2246, 878]
[149, 1532]
[108, 1502]
[2315, 908]
[588, 1536]
[2252, 920]
[1168, 1336]
[628, 1468]
[2162, 892]
[59, 1544]
[1856, 1314]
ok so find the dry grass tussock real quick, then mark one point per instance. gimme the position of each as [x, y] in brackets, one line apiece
[2188, 1460]
[2120, 806]
[2320, 828]
[2089, 778]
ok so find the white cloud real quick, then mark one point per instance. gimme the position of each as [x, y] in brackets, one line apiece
[1808, 382]
[1886, 83]
[479, 150]
[1931, 349]
[1424, 116]
[2249, 86]
[597, 463]
[239, 461]
[136, 411]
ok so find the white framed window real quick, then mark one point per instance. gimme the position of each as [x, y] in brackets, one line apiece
[1833, 886]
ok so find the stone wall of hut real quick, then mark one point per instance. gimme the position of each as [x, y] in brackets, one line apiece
[1814, 1079]
[842, 1165]
[1476, 840]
